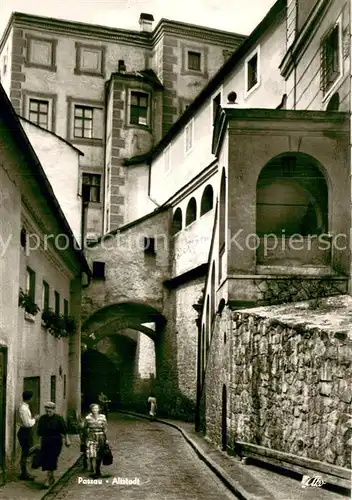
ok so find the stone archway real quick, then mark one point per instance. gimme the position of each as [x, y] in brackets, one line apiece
[126, 333]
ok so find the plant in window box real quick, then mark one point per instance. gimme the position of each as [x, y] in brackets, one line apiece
[26, 302]
[54, 323]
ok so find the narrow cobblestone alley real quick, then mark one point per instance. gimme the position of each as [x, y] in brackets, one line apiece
[155, 456]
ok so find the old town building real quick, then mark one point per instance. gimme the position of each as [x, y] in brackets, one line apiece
[41, 269]
[113, 93]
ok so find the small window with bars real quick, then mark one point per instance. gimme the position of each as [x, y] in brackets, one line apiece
[39, 112]
[330, 59]
[91, 187]
[194, 60]
[139, 108]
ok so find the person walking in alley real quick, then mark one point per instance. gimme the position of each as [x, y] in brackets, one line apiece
[152, 406]
[95, 426]
[104, 403]
[25, 433]
[51, 429]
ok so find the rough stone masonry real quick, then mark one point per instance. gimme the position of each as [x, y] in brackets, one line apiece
[288, 373]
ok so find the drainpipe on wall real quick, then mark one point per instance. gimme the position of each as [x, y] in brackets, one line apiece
[83, 222]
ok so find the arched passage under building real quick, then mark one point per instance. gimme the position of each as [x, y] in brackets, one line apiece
[125, 335]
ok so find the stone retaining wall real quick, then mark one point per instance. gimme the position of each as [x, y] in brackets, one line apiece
[289, 386]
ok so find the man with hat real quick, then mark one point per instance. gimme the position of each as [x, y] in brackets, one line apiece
[51, 429]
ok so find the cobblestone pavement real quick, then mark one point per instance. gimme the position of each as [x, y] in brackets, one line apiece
[157, 458]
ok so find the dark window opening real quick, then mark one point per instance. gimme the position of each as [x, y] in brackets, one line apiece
[33, 384]
[252, 69]
[139, 108]
[207, 200]
[216, 105]
[98, 270]
[23, 238]
[191, 213]
[30, 285]
[39, 112]
[177, 221]
[91, 187]
[194, 61]
[149, 246]
[57, 302]
[334, 103]
[46, 296]
[53, 388]
[66, 312]
[65, 386]
[330, 55]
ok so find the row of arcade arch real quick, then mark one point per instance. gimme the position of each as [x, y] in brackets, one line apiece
[206, 204]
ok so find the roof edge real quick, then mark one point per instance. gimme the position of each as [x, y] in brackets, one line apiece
[52, 133]
[218, 77]
[55, 206]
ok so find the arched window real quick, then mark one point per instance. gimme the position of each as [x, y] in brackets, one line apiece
[334, 103]
[177, 221]
[191, 213]
[207, 200]
[222, 221]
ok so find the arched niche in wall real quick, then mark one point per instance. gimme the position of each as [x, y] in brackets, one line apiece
[207, 200]
[191, 213]
[177, 221]
[292, 197]
[334, 103]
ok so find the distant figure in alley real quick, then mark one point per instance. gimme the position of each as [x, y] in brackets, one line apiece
[104, 403]
[152, 406]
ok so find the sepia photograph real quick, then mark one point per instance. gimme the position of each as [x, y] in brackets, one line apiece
[175, 250]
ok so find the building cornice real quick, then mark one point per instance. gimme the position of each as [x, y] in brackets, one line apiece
[194, 32]
[119, 35]
[303, 38]
[80, 30]
[193, 184]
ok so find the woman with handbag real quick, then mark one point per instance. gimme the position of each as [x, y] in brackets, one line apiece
[51, 429]
[95, 426]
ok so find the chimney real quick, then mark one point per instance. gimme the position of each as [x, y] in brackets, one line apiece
[146, 22]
